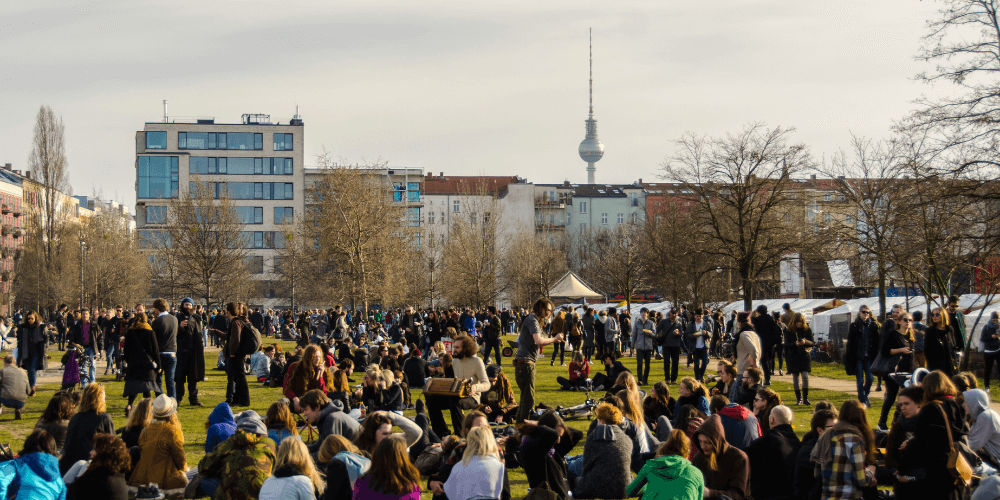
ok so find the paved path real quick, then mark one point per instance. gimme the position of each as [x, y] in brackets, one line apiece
[848, 386]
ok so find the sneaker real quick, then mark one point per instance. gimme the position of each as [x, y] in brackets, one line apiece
[798, 403]
[882, 427]
[599, 388]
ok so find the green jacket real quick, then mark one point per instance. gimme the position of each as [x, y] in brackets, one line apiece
[670, 477]
[242, 463]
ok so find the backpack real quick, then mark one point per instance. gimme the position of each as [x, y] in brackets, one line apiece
[492, 330]
[250, 340]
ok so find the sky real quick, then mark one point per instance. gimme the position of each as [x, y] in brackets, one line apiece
[496, 88]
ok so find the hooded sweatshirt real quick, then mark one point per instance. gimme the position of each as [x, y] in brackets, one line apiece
[607, 455]
[242, 463]
[740, 425]
[333, 420]
[221, 425]
[985, 433]
[731, 475]
[667, 478]
[38, 476]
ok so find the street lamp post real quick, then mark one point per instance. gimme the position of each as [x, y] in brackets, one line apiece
[83, 248]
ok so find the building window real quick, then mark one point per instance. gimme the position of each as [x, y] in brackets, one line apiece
[283, 142]
[430, 217]
[204, 165]
[284, 215]
[276, 265]
[827, 197]
[157, 176]
[658, 218]
[255, 263]
[156, 140]
[621, 218]
[604, 218]
[849, 220]
[263, 239]
[413, 191]
[827, 218]
[841, 197]
[568, 218]
[156, 215]
[413, 216]
[454, 207]
[250, 190]
[583, 207]
[250, 215]
[583, 228]
[213, 140]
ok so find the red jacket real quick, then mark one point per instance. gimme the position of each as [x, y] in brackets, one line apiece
[576, 372]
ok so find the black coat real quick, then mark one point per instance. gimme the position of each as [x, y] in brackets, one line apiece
[938, 349]
[98, 483]
[854, 338]
[926, 455]
[796, 357]
[141, 351]
[539, 466]
[191, 346]
[805, 485]
[772, 462]
[94, 336]
[27, 343]
[80, 436]
[767, 330]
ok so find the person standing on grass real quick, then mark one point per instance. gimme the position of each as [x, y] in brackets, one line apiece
[896, 342]
[798, 338]
[190, 353]
[862, 347]
[990, 339]
[165, 328]
[528, 343]
[237, 390]
[643, 332]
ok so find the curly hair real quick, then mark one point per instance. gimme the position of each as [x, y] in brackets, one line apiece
[110, 452]
[93, 399]
[609, 413]
[59, 408]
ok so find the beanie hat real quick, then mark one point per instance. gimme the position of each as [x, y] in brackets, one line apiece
[251, 422]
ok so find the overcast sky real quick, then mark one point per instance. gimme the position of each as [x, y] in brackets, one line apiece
[464, 88]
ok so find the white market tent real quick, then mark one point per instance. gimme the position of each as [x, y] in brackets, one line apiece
[570, 286]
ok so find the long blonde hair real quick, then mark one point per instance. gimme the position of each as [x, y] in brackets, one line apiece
[141, 414]
[632, 408]
[334, 444]
[93, 399]
[294, 452]
[479, 441]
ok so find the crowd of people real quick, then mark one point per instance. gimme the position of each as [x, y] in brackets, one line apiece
[727, 435]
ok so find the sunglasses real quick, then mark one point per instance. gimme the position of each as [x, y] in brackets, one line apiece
[905, 320]
[865, 312]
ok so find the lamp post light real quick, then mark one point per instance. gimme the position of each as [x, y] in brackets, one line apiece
[83, 249]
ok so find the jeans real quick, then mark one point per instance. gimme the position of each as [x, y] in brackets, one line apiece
[767, 362]
[168, 361]
[700, 362]
[671, 362]
[89, 352]
[524, 376]
[642, 357]
[12, 403]
[36, 351]
[558, 347]
[864, 379]
[110, 352]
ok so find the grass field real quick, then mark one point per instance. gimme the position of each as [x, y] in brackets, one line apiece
[213, 391]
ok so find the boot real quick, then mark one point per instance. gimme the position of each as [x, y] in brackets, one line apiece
[805, 396]
[798, 397]
[17, 414]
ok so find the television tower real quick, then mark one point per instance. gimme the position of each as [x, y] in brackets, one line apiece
[591, 149]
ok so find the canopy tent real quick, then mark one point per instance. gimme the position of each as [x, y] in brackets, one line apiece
[570, 286]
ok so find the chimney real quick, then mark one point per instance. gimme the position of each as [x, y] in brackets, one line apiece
[8, 167]
[27, 173]
[640, 181]
[440, 174]
[812, 177]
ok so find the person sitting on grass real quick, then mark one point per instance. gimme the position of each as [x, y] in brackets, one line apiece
[480, 473]
[35, 471]
[295, 476]
[725, 468]
[765, 401]
[308, 374]
[327, 417]
[138, 419]
[91, 418]
[161, 449]
[241, 463]
[391, 476]
[498, 401]
[579, 370]
[691, 392]
[378, 426]
[741, 426]
[613, 367]
[657, 407]
[55, 418]
[280, 423]
[669, 476]
[344, 463]
[607, 454]
[104, 475]
[14, 388]
[746, 391]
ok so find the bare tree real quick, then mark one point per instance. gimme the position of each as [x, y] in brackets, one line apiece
[621, 267]
[296, 268]
[532, 264]
[46, 274]
[360, 231]
[114, 267]
[740, 184]
[869, 181]
[473, 257]
[676, 261]
[205, 247]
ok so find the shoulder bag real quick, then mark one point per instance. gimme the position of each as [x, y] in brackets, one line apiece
[958, 466]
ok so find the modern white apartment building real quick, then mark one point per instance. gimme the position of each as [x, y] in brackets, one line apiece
[257, 161]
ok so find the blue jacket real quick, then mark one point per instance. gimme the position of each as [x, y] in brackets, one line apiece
[279, 435]
[36, 476]
[221, 426]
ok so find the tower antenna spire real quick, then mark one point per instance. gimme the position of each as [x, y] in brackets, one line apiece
[591, 72]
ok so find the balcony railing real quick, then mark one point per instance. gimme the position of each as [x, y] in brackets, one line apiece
[548, 203]
[5, 209]
[549, 227]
